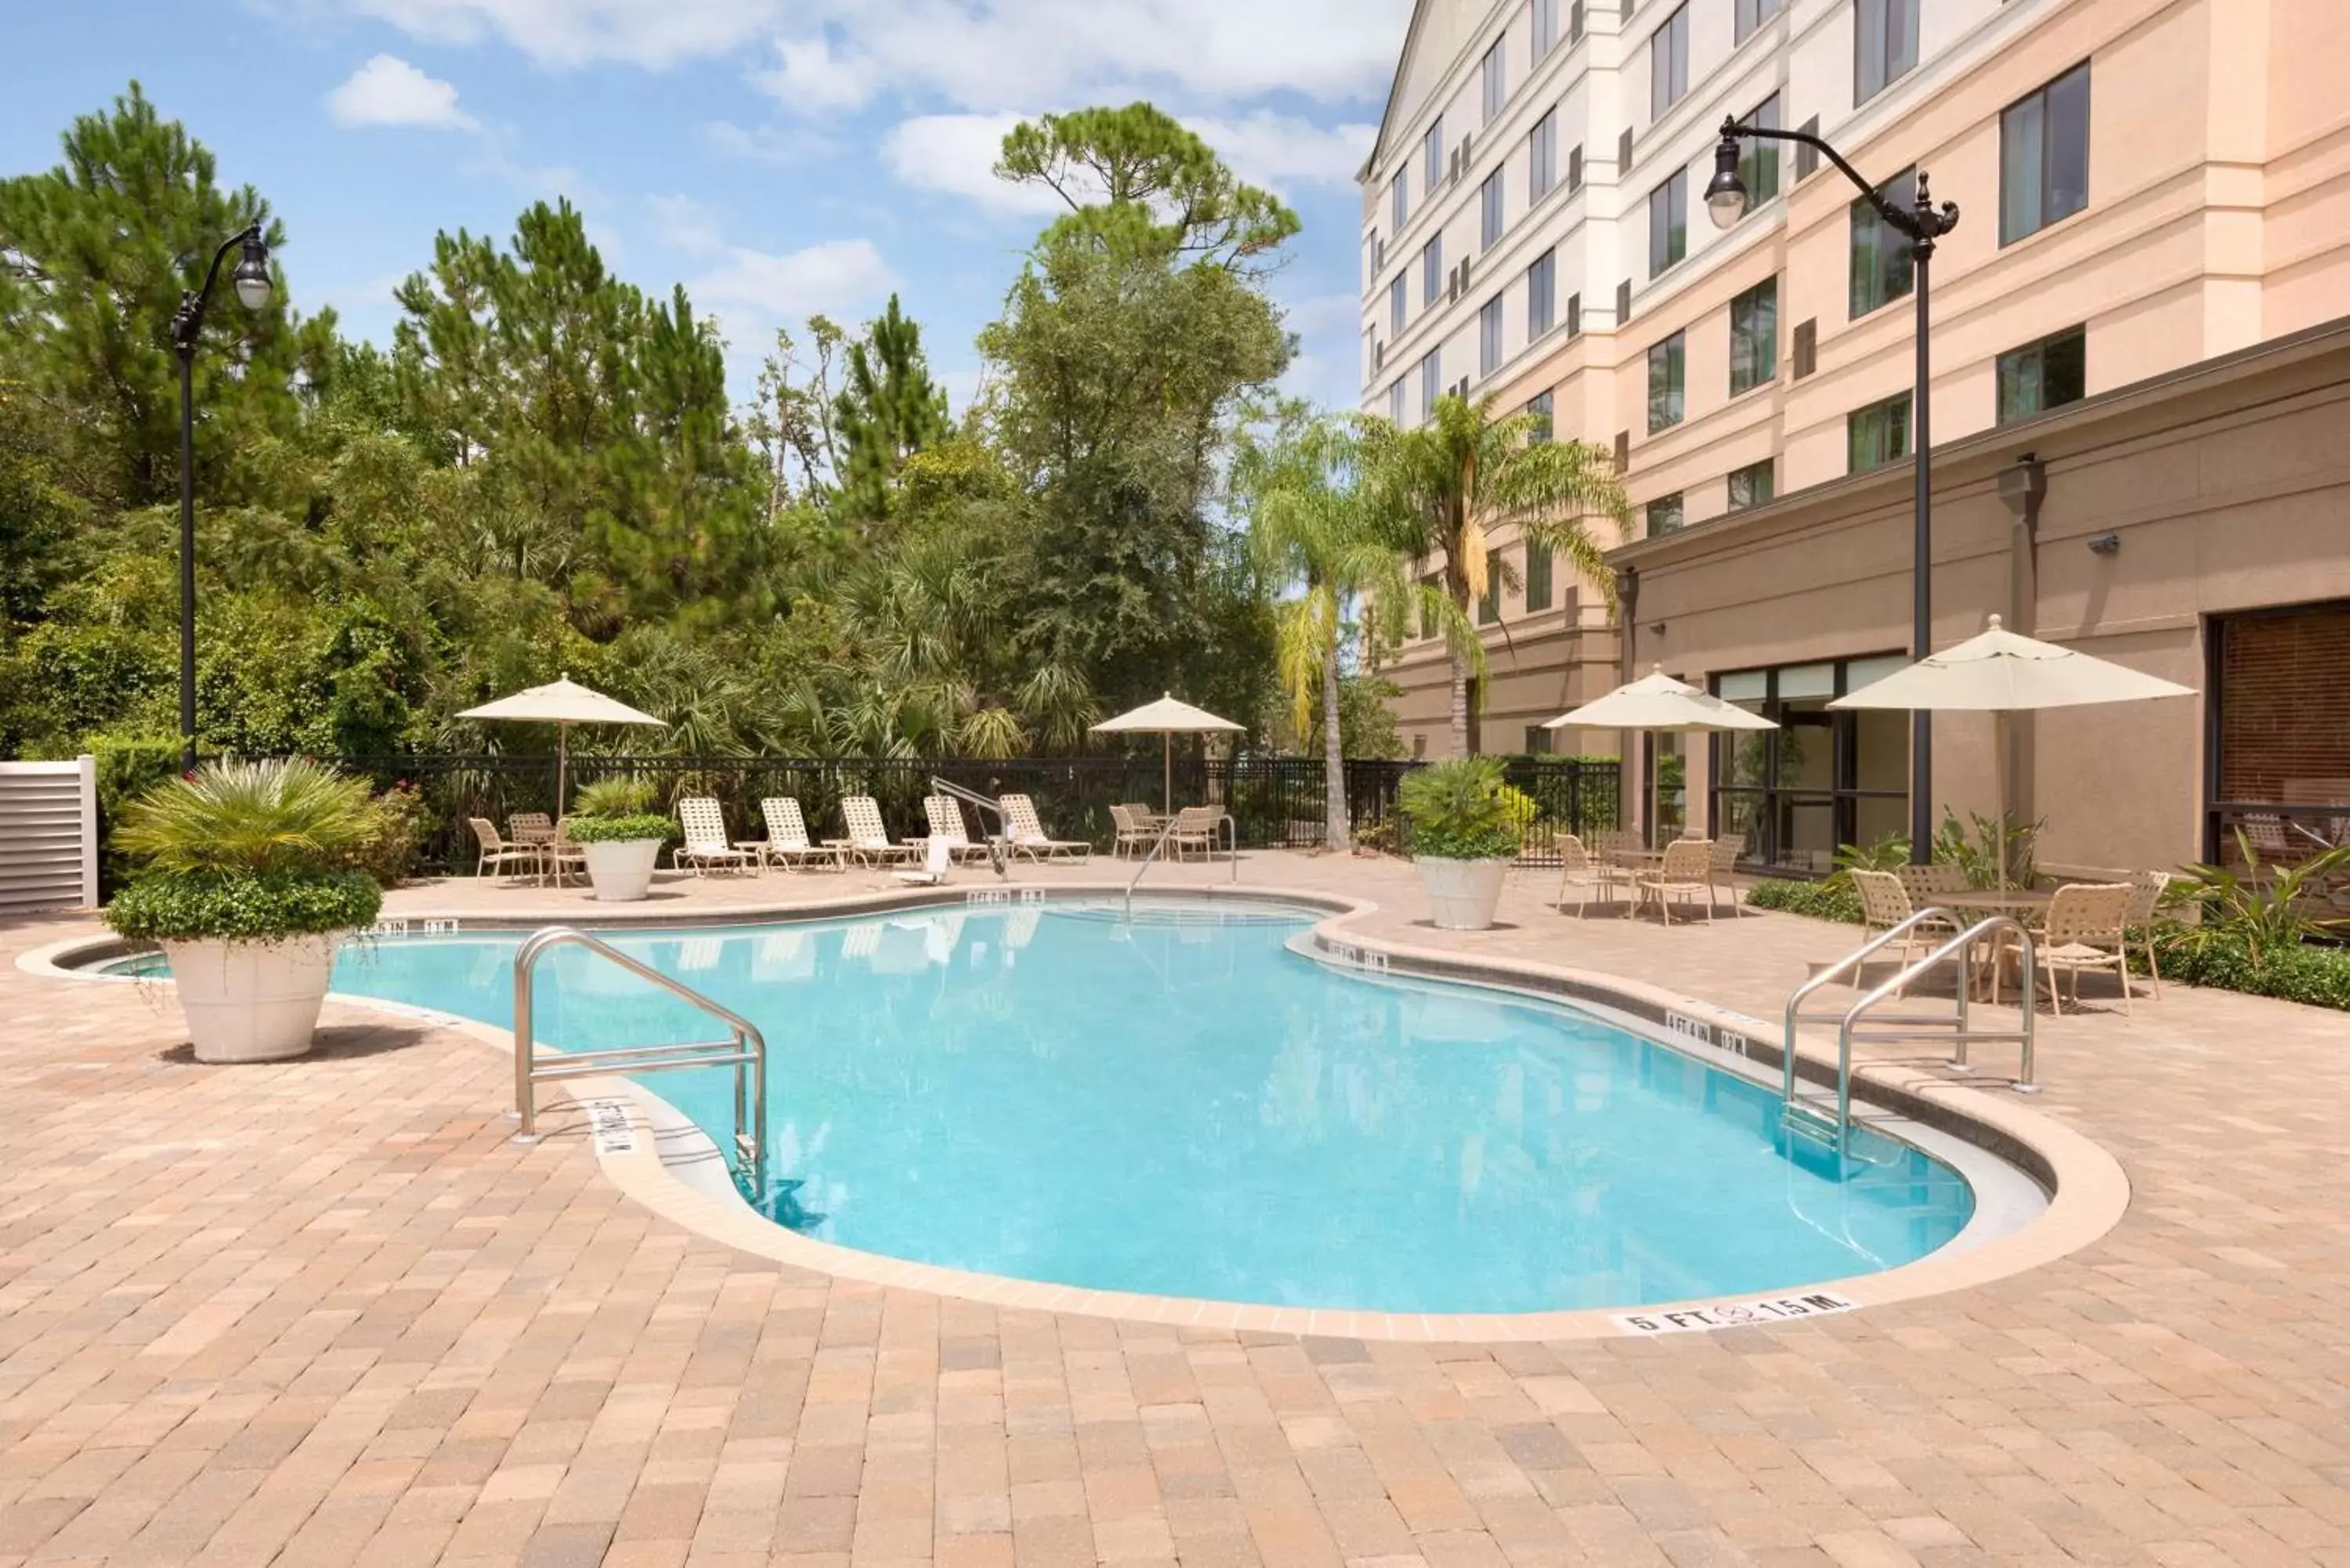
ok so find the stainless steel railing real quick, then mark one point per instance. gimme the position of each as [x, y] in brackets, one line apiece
[745, 1051]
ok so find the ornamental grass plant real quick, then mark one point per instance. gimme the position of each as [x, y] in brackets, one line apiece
[1460, 809]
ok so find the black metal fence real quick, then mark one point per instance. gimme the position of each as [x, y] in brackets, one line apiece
[1274, 802]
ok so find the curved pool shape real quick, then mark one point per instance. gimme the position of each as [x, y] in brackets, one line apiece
[1184, 1106]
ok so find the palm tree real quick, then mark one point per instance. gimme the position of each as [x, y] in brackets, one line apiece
[1465, 472]
[1318, 527]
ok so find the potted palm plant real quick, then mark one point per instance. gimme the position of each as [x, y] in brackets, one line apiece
[1462, 838]
[247, 881]
[613, 823]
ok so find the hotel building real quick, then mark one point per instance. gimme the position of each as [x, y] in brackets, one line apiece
[2141, 387]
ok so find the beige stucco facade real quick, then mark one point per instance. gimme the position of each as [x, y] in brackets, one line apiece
[2216, 219]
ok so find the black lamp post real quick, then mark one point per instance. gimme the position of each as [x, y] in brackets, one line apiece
[252, 280]
[1725, 200]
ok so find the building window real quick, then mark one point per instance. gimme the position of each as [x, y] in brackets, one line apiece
[1489, 211]
[1537, 578]
[1624, 302]
[1669, 64]
[1749, 15]
[1575, 169]
[1395, 403]
[2044, 375]
[1431, 156]
[1883, 270]
[1399, 202]
[1538, 740]
[1431, 269]
[1542, 157]
[1758, 160]
[1541, 295]
[1884, 44]
[1822, 778]
[1489, 337]
[1754, 337]
[1664, 513]
[1488, 603]
[1545, 28]
[1396, 314]
[1752, 485]
[1667, 222]
[1574, 314]
[1430, 587]
[1496, 72]
[1665, 384]
[2044, 156]
[2272, 759]
[1877, 434]
[1431, 384]
[1539, 408]
[1575, 21]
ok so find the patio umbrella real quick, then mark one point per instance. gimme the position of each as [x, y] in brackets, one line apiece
[562, 703]
[1996, 672]
[1660, 705]
[1167, 717]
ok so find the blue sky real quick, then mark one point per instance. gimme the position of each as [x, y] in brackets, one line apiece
[776, 156]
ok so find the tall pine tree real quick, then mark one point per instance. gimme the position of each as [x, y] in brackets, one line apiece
[889, 410]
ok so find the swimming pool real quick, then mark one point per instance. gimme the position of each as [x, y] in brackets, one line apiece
[1182, 1106]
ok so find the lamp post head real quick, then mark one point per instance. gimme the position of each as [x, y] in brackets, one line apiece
[252, 275]
[1725, 194]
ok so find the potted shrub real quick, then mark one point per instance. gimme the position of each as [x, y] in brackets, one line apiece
[245, 881]
[1462, 838]
[613, 823]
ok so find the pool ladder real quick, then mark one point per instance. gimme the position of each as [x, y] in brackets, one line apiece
[745, 1051]
[1810, 1116]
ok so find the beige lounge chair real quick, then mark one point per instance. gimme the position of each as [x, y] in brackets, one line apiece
[705, 844]
[1027, 837]
[869, 839]
[1196, 828]
[496, 852]
[2147, 888]
[1924, 883]
[1721, 869]
[945, 814]
[2086, 931]
[938, 861]
[1580, 871]
[786, 844]
[1681, 876]
[1884, 903]
[1135, 834]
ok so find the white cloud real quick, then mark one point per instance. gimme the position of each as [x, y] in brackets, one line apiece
[686, 225]
[388, 90]
[783, 145]
[838, 277]
[1282, 151]
[810, 75]
[651, 33]
[956, 153]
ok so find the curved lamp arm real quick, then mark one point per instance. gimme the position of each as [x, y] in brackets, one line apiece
[189, 319]
[1923, 225]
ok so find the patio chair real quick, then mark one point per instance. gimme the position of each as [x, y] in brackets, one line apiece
[1721, 869]
[1027, 836]
[561, 855]
[1580, 871]
[938, 860]
[1682, 876]
[786, 844]
[705, 843]
[1924, 883]
[1884, 903]
[945, 814]
[2147, 888]
[529, 826]
[2084, 930]
[496, 852]
[869, 839]
[1134, 835]
[1195, 828]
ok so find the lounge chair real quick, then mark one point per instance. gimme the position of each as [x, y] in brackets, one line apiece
[1027, 837]
[705, 843]
[496, 852]
[786, 844]
[869, 839]
[938, 861]
[1579, 871]
[1681, 876]
[1135, 834]
[2086, 931]
[945, 816]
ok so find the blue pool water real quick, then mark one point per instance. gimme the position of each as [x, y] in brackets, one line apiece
[1189, 1108]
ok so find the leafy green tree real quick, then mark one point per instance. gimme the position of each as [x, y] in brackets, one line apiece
[1466, 470]
[889, 410]
[1140, 185]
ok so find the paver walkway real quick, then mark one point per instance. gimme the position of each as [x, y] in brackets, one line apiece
[323, 1312]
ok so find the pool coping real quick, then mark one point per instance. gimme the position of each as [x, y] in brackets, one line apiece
[2087, 1191]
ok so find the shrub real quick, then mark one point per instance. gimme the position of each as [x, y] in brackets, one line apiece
[2266, 910]
[2229, 960]
[1455, 810]
[403, 822]
[624, 794]
[273, 905]
[627, 829]
[1820, 900]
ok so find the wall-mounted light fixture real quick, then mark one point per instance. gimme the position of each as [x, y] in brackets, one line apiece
[1658, 627]
[2105, 544]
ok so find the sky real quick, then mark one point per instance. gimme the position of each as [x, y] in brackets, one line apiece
[778, 157]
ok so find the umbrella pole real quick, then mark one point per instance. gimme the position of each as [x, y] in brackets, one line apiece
[562, 767]
[1167, 770]
[1999, 763]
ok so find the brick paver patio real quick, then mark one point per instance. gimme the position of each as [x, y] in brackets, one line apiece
[325, 1313]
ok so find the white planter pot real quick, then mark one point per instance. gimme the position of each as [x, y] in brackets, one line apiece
[621, 870]
[1461, 894]
[253, 1001]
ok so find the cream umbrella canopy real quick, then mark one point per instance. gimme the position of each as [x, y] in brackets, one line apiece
[562, 703]
[1660, 705]
[1996, 672]
[1167, 717]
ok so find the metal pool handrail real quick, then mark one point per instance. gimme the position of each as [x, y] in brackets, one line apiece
[1842, 965]
[747, 1052]
[997, 856]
